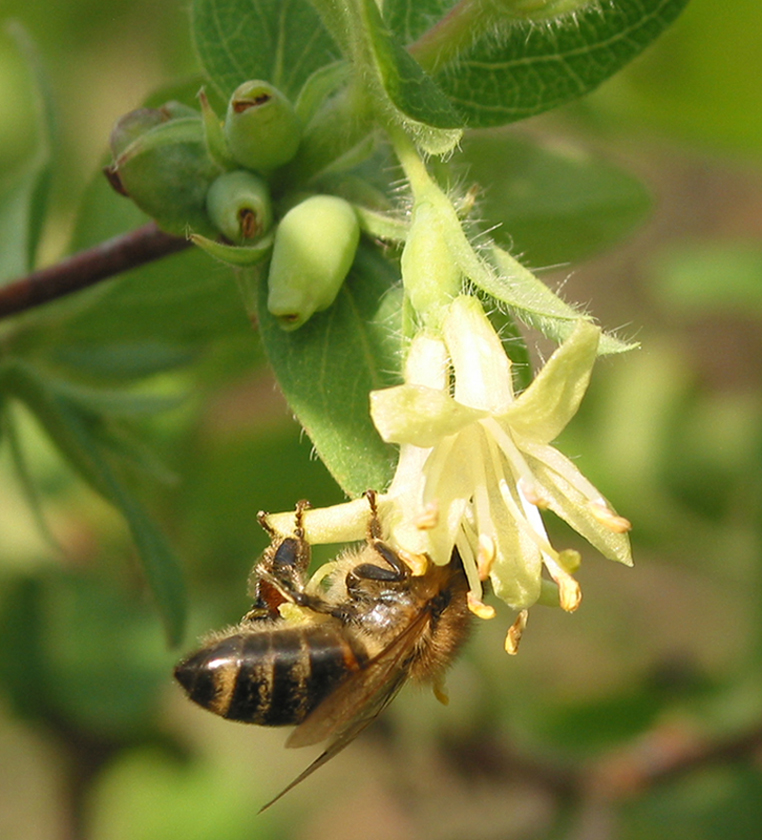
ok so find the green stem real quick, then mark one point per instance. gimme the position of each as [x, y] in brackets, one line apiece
[426, 189]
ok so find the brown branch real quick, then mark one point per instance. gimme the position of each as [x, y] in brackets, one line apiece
[88, 267]
[665, 753]
[658, 756]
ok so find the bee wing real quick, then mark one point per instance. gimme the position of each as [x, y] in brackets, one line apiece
[361, 697]
[343, 715]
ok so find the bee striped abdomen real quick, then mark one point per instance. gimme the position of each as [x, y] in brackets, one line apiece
[271, 678]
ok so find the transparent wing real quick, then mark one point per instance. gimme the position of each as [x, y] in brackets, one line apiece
[356, 702]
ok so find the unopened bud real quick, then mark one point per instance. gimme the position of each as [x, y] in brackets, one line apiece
[161, 163]
[315, 244]
[239, 206]
[429, 273]
[261, 126]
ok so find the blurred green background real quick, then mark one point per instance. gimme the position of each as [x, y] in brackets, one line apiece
[95, 740]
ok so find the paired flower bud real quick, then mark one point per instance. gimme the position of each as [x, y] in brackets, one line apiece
[315, 245]
[239, 206]
[161, 163]
[261, 127]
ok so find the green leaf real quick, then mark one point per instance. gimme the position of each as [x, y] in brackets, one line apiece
[516, 69]
[279, 41]
[76, 434]
[327, 368]
[421, 105]
[716, 801]
[9, 432]
[555, 202]
[82, 651]
[23, 197]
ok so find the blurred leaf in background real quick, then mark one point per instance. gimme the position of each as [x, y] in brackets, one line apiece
[94, 741]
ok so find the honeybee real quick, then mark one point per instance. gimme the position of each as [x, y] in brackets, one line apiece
[361, 631]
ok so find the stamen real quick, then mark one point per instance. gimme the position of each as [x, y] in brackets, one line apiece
[466, 551]
[531, 492]
[479, 608]
[486, 556]
[569, 591]
[515, 632]
[428, 518]
[522, 521]
[417, 563]
[603, 513]
[509, 449]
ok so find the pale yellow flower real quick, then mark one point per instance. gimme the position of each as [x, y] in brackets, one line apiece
[476, 465]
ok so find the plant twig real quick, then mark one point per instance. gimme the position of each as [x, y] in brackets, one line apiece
[85, 268]
[656, 757]
[666, 753]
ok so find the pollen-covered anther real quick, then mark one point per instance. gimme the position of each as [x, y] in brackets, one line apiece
[417, 563]
[486, 556]
[478, 607]
[533, 494]
[603, 513]
[569, 591]
[515, 632]
[428, 518]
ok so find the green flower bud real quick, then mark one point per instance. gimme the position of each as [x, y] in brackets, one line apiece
[161, 163]
[315, 244]
[132, 125]
[261, 126]
[429, 272]
[238, 204]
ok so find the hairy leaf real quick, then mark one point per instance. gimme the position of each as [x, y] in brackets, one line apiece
[517, 68]
[279, 41]
[327, 367]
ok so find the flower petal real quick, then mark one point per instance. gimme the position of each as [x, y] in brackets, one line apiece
[450, 485]
[542, 411]
[417, 414]
[482, 370]
[567, 495]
